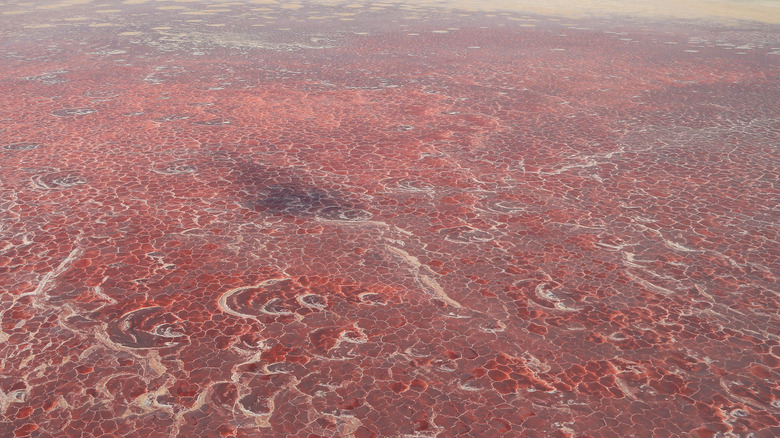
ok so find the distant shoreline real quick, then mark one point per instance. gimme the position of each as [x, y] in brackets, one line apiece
[717, 11]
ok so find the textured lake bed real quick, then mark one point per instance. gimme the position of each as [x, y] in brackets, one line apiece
[349, 219]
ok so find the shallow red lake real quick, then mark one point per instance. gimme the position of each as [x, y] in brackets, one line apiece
[387, 220]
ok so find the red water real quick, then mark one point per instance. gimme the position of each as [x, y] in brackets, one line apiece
[376, 228]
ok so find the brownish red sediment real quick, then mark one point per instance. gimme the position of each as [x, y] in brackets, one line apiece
[465, 224]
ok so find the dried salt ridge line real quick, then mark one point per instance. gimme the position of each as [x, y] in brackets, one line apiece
[425, 280]
[23, 146]
[73, 112]
[50, 277]
[46, 283]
